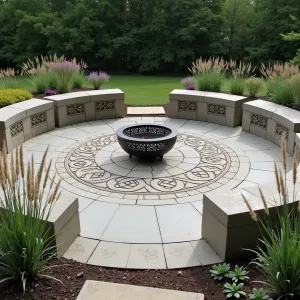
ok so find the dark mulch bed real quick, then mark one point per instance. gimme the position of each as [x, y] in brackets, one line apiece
[75, 274]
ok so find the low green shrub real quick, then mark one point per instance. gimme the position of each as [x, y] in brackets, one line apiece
[11, 96]
[25, 243]
[253, 86]
[79, 80]
[282, 93]
[237, 86]
[278, 251]
[209, 81]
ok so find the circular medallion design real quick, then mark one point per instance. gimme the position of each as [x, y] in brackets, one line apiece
[194, 163]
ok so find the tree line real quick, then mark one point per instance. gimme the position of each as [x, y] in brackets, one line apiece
[148, 35]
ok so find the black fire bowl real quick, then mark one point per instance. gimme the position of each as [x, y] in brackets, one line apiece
[147, 141]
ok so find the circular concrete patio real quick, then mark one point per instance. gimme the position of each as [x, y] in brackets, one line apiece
[139, 215]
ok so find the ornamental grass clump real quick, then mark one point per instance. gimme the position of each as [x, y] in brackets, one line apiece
[237, 85]
[282, 92]
[98, 79]
[278, 251]
[210, 81]
[29, 197]
[253, 86]
[66, 71]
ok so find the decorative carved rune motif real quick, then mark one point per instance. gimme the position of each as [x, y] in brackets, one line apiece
[75, 109]
[105, 105]
[280, 129]
[38, 118]
[216, 109]
[187, 106]
[259, 120]
[212, 163]
[16, 128]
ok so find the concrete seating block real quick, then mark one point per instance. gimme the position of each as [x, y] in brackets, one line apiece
[269, 120]
[72, 108]
[64, 223]
[227, 225]
[22, 121]
[219, 108]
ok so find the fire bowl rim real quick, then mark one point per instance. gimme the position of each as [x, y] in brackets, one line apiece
[120, 134]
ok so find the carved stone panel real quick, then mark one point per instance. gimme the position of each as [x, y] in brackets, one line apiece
[187, 106]
[259, 120]
[16, 128]
[216, 109]
[38, 118]
[105, 105]
[280, 130]
[75, 109]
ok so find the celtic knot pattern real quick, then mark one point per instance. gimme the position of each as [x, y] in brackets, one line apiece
[216, 109]
[75, 109]
[259, 120]
[105, 105]
[212, 163]
[38, 118]
[280, 130]
[16, 128]
[187, 106]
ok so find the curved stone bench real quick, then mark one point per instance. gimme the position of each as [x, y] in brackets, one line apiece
[226, 222]
[22, 121]
[219, 108]
[269, 121]
[72, 108]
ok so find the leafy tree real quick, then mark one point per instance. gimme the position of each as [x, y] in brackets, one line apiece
[294, 36]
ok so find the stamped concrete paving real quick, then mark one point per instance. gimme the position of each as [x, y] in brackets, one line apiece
[148, 215]
[98, 290]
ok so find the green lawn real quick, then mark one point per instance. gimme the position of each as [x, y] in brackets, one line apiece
[139, 90]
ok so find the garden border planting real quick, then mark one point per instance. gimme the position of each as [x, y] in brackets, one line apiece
[219, 108]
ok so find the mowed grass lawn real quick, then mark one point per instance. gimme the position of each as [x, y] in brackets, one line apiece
[139, 90]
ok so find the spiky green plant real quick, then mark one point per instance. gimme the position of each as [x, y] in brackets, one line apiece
[25, 240]
[238, 274]
[220, 271]
[234, 290]
[259, 294]
[278, 252]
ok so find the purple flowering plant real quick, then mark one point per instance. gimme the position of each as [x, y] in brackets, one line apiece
[187, 81]
[50, 92]
[98, 79]
[191, 87]
[66, 71]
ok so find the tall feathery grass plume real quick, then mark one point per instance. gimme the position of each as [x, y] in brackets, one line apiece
[278, 248]
[26, 242]
[252, 212]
